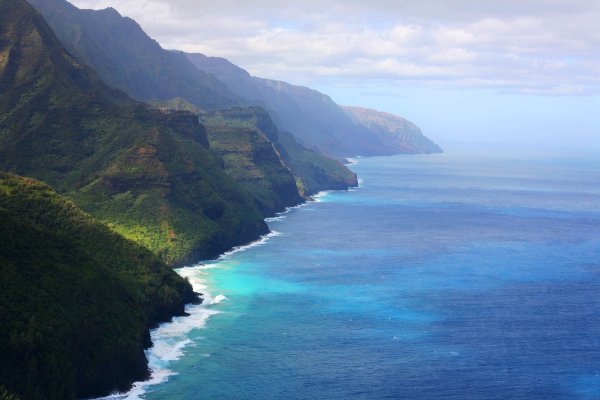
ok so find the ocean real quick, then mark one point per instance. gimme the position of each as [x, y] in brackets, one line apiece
[440, 277]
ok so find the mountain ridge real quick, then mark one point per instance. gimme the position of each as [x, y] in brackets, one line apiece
[127, 58]
[148, 173]
[314, 118]
[399, 134]
[137, 65]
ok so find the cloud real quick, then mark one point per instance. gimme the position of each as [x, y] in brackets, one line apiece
[536, 47]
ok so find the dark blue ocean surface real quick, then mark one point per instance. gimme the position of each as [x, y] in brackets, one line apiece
[439, 278]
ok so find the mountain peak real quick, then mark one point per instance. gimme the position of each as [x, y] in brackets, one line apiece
[126, 58]
[31, 54]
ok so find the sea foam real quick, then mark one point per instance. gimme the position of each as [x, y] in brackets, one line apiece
[239, 249]
[320, 196]
[171, 339]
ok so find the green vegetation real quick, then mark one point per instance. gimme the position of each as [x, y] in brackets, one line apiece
[76, 299]
[146, 173]
[315, 171]
[252, 160]
[127, 59]
[230, 130]
[313, 118]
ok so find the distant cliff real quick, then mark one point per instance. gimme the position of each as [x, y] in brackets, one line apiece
[399, 135]
[128, 59]
[314, 118]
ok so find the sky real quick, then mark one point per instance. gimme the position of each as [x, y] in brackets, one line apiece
[520, 73]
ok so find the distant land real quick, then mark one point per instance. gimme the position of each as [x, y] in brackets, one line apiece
[313, 117]
[398, 134]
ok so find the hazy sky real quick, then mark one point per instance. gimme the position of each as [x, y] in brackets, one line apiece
[525, 71]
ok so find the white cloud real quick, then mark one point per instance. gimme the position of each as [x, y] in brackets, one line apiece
[535, 47]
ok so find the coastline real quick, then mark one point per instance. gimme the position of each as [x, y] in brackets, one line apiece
[168, 338]
[217, 251]
[412, 320]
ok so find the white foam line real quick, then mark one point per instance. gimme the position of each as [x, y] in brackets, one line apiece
[277, 218]
[289, 210]
[170, 339]
[317, 198]
[264, 239]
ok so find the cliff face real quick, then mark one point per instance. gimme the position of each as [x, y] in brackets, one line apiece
[399, 135]
[147, 173]
[253, 161]
[76, 299]
[313, 172]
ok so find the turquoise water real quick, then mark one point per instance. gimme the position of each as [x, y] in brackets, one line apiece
[440, 277]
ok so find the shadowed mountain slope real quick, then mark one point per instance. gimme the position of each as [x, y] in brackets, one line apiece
[115, 46]
[76, 300]
[126, 58]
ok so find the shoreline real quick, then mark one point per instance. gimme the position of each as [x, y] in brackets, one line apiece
[165, 346]
[215, 254]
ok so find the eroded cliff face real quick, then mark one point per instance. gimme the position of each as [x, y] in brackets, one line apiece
[313, 172]
[253, 161]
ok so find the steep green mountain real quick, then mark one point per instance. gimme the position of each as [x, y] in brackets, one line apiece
[126, 58]
[315, 120]
[147, 173]
[115, 46]
[399, 135]
[314, 172]
[253, 161]
[76, 299]
[230, 133]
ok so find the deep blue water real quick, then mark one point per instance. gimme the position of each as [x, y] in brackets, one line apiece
[440, 277]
